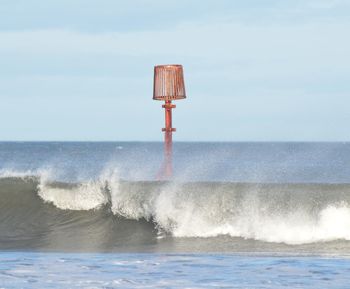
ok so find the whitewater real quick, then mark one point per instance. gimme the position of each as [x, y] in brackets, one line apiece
[94, 215]
[287, 213]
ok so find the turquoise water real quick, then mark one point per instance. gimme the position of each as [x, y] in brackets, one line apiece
[57, 270]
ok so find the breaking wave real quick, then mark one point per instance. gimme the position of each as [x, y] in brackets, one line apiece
[33, 206]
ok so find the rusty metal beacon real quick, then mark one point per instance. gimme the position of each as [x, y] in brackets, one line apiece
[168, 85]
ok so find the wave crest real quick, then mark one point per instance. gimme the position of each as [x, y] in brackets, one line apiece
[282, 213]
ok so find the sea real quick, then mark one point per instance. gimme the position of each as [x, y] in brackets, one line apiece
[233, 215]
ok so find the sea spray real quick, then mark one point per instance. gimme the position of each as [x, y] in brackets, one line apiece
[184, 210]
[276, 213]
[91, 194]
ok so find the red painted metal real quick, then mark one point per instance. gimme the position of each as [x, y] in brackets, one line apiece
[168, 85]
[168, 82]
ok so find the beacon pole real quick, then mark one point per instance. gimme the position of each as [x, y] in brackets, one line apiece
[168, 139]
[168, 85]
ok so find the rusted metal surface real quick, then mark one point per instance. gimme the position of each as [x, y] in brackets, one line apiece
[168, 106]
[168, 82]
[168, 85]
[167, 170]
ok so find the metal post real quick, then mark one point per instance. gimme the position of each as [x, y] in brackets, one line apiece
[168, 85]
[168, 139]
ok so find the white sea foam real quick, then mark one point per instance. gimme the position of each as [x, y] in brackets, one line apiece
[13, 173]
[83, 196]
[197, 214]
[332, 223]
[194, 215]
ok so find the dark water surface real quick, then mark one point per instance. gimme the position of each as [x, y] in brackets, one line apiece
[235, 215]
[224, 197]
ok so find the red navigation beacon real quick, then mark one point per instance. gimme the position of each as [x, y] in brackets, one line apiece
[168, 85]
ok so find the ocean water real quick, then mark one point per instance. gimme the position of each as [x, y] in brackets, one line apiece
[234, 215]
[42, 270]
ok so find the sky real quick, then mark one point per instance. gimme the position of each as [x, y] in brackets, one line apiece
[255, 70]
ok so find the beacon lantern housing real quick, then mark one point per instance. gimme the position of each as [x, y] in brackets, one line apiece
[168, 85]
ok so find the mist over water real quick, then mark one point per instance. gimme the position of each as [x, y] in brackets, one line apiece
[227, 197]
[236, 162]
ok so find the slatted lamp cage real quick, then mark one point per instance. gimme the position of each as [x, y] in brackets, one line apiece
[168, 85]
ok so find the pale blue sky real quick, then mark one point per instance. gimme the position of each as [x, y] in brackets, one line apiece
[255, 70]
